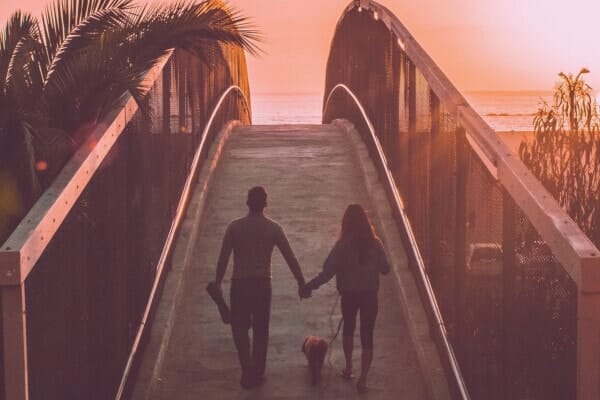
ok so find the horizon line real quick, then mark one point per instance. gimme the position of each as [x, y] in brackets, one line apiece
[497, 91]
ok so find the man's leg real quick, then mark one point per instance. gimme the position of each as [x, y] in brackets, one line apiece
[240, 323]
[260, 328]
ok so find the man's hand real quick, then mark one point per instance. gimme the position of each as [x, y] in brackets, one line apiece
[218, 287]
[304, 291]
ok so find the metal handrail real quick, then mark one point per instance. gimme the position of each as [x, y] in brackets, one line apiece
[177, 220]
[414, 248]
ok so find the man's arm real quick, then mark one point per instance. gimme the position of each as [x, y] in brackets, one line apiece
[286, 251]
[383, 263]
[226, 248]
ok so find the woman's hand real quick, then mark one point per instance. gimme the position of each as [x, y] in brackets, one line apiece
[304, 291]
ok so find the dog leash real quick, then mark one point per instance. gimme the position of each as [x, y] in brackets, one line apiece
[334, 337]
[337, 332]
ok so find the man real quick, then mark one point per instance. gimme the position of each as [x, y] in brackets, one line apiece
[252, 239]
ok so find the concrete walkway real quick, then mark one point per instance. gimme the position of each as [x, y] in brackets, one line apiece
[311, 174]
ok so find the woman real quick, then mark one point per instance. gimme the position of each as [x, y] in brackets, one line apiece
[356, 260]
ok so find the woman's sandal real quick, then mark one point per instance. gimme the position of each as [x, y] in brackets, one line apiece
[346, 375]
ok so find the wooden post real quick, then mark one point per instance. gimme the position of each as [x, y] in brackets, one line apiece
[436, 174]
[509, 272]
[182, 99]
[412, 131]
[166, 98]
[392, 111]
[404, 132]
[192, 85]
[588, 333]
[14, 332]
[460, 250]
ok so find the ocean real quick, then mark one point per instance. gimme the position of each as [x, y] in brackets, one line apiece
[504, 111]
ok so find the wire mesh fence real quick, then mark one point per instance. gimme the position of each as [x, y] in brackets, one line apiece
[509, 306]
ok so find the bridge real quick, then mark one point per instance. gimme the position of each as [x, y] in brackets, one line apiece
[494, 293]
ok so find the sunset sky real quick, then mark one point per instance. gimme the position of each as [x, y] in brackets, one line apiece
[479, 44]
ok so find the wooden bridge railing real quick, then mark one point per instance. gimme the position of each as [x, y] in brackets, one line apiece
[517, 282]
[79, 274]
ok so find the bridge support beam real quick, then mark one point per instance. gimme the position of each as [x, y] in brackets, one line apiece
[509, 273]
[14, 338]
[588, 342]
[412, 131]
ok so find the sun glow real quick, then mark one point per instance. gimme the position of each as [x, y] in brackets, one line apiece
[529, 42]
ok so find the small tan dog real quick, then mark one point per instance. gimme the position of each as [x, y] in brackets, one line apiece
[315, 348]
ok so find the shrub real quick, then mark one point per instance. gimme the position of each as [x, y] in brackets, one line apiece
[565, 151]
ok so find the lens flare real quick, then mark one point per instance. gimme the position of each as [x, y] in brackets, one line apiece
[41, 165]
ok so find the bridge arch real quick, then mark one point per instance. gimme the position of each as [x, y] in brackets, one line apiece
[78, 275]
[463, 191]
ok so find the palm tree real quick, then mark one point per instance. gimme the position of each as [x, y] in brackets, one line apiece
[74, 65]
[18, 180]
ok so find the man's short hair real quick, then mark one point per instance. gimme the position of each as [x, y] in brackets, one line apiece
[257, 198]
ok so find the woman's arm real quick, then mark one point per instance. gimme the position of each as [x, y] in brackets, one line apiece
[330, 267]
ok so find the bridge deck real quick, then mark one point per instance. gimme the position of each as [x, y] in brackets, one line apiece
[311, 174]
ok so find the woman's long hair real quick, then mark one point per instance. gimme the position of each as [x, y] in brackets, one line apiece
[357, 228]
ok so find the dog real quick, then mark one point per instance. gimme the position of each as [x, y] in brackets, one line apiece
[315, 348]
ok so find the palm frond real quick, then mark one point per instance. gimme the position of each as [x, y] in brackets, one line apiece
[19, 37]
[193, 27]
[87, 31]
[71, 98]
[61, 17]
[197, 28]
[122, 55]
[185, 24]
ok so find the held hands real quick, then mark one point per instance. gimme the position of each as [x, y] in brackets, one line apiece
[304, 291]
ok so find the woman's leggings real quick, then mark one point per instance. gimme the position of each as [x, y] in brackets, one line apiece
[366, 303]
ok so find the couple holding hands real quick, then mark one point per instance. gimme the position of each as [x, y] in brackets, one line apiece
[356, 260]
